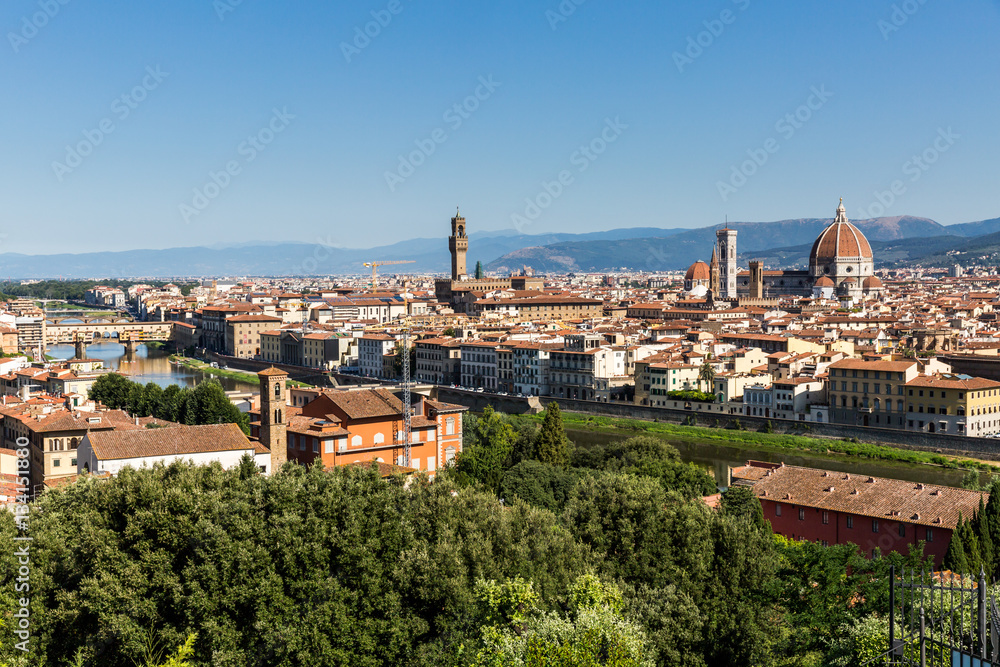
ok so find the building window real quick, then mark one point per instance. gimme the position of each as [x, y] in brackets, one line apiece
[802, 514]
[902, 530]
[449, 426]
[379, 439]
[315, 446]
[56, 463]
[850, 522]
[356, 441]
[777, 509]
[874, 525]
[826, 517]
[328, 446]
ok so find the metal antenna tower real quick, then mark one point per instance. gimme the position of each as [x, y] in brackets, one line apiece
[407, 408]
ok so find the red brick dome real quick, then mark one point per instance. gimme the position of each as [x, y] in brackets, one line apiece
[824, 282]
[698, 271]
[872, 282]
[841, 240]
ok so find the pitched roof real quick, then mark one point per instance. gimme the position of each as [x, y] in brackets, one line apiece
[366, 403]
[272, 371]
[176, 440]
[877, 497]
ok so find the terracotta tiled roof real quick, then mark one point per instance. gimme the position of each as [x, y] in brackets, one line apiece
[179, 440]
[876, 497]
[367, 403]
[272, 371]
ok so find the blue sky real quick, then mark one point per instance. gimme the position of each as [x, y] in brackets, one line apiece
[304, 135]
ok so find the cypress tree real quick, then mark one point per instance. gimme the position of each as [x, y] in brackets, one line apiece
[982, 530]
[954, 558]
[551, 444]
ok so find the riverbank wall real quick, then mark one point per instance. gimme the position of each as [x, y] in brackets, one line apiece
[954, 445]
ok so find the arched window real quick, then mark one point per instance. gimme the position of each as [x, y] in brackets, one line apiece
[379, 438]
[356, 441]
[449, 454]
[277, 390]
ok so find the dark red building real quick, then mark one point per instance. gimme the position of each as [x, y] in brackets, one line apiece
[878, 515]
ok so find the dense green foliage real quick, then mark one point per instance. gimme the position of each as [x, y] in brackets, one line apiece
[616, 562]
[205, 404]
[551, 445]
[975, 543]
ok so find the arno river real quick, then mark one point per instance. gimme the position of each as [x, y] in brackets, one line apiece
[150, 365]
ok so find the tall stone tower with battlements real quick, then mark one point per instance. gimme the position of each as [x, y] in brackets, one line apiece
[458, 244]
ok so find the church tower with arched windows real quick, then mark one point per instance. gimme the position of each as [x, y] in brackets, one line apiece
[273, 408]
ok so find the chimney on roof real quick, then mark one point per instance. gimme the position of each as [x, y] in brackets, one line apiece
[788, 496]
[920, 487]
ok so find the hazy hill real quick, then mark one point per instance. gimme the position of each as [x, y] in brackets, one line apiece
[659, 253]
[782, 243]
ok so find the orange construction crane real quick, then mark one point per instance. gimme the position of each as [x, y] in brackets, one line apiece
[374, 266]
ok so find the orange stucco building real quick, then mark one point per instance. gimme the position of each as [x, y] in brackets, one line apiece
[346, 427]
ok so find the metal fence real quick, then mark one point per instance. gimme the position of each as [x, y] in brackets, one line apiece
[940, 619]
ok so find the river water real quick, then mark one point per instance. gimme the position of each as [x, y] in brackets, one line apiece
[150, 365]
[716, 458]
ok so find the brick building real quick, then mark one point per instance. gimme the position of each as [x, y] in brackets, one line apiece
[878, 515]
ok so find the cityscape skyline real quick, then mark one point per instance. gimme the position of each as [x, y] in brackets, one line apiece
[292, 124]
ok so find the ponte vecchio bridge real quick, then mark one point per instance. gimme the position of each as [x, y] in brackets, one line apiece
[88, 327]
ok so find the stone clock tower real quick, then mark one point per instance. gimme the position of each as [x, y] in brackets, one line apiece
[458, 244]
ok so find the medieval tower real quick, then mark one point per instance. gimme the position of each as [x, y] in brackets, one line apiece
[458, 244]
[273, 427]
[727, 261]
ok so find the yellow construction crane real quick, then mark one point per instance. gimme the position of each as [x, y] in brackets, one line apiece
[374, 266]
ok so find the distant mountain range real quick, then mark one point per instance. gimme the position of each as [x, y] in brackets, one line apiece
[782, 243]
[895, 240]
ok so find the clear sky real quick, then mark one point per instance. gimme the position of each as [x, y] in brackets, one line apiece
[311, 117]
